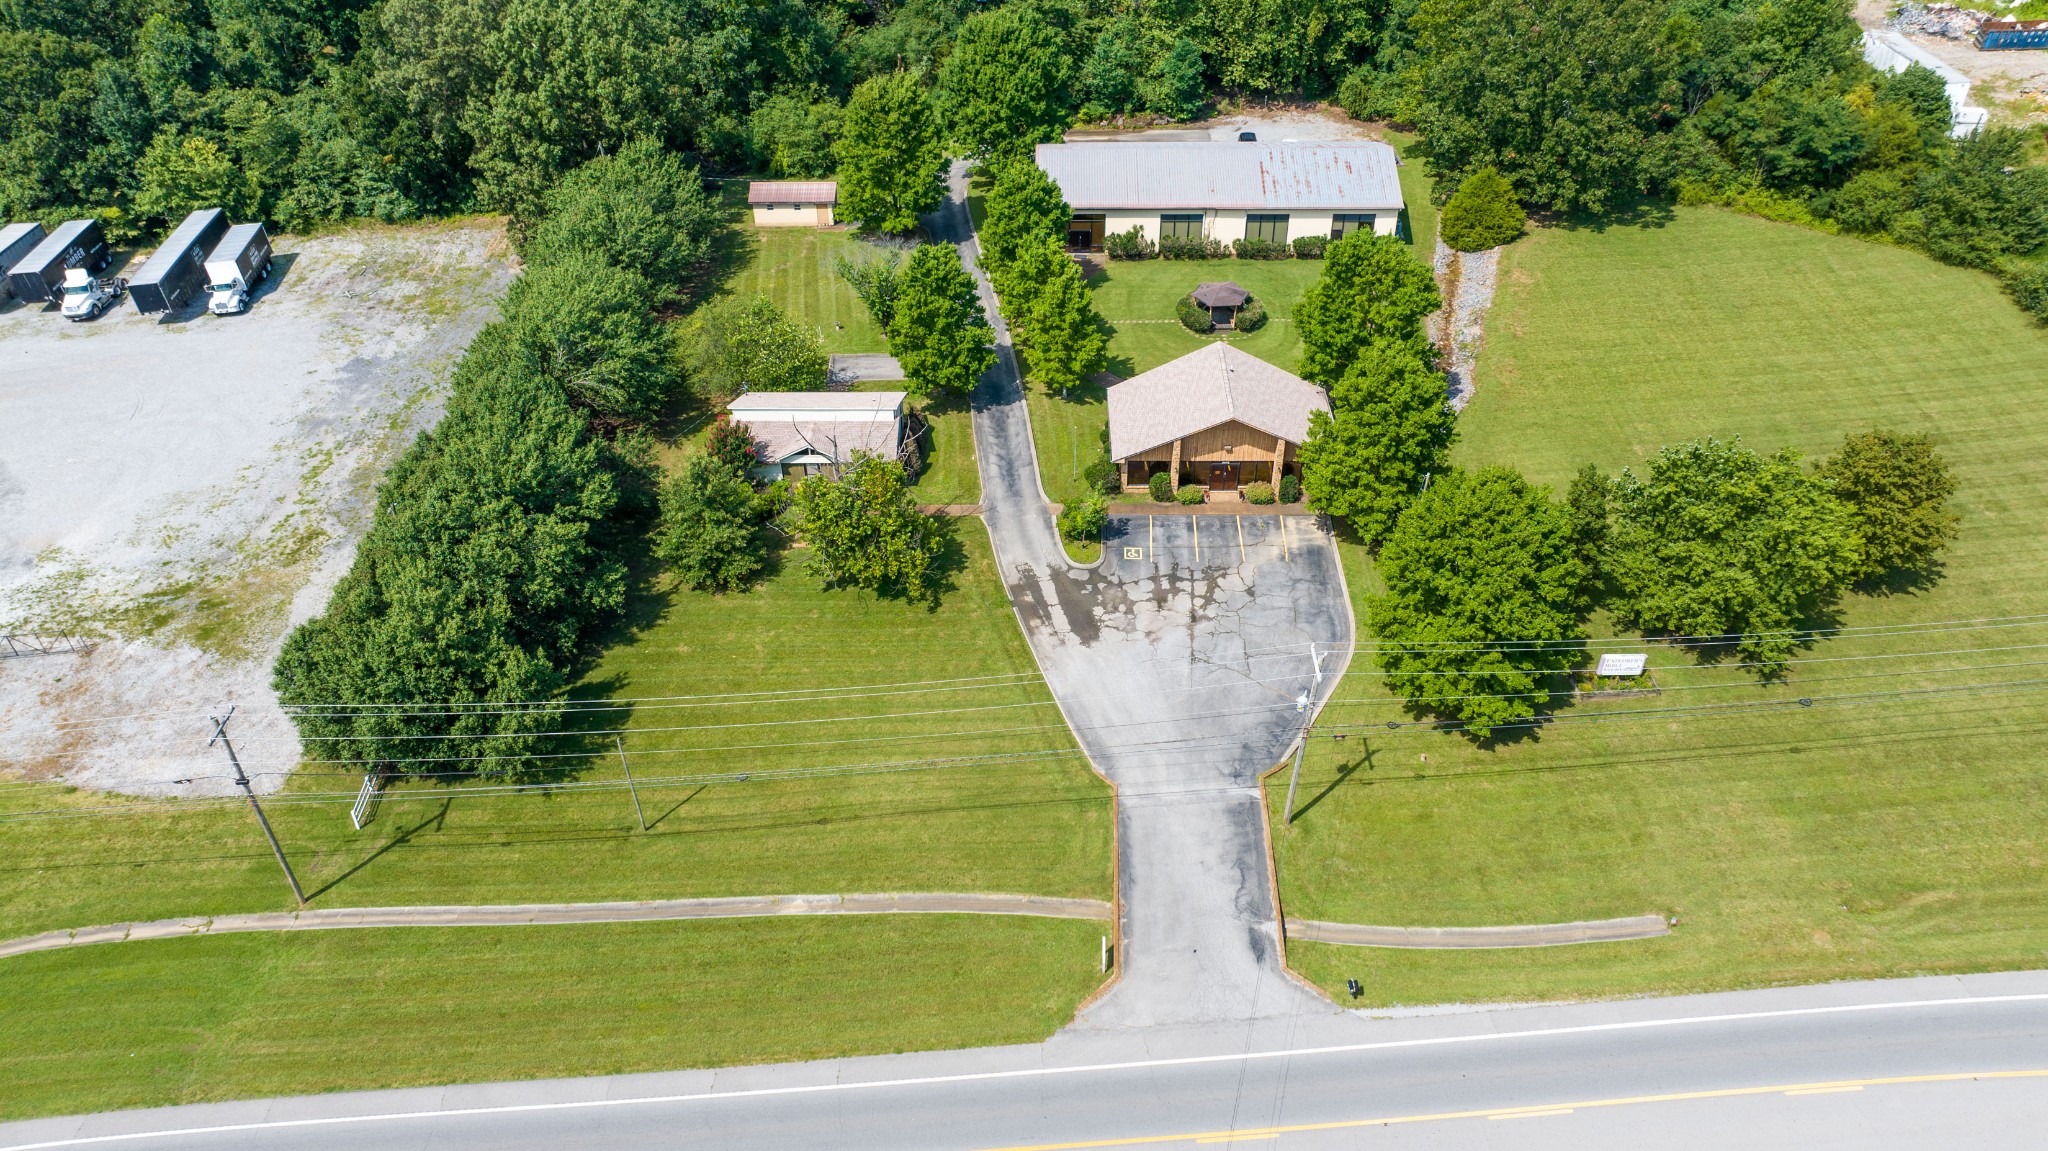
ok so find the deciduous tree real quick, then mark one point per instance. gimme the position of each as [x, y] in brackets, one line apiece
[1391, 426]
[746, 344]
[1059, 332]
[892, 163]
[1482, 593]
[939, 333]
[1716, 540]
[643, 210]
[589, 327]
[1898, 487]
[1371, 288]
[865, 530]
[1006, 85]
[708, 535]
[1024, 210]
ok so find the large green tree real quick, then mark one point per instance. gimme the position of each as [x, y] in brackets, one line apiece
[747, 344]
[180, 175]
[1715, 540]
[643, 210]
[1006, 86]
[1560, 95]
[708, 534]
[1024, 209]
[865, 530]
[1371, 288]
[480, 578]
[892, 163]
[1898, 487]
[1481, 602]
[1059, 332]
[589, 327]
[938, 332]
[1390, 428]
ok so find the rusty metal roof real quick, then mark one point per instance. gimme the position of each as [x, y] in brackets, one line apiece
[1352, 175]
[793, 192]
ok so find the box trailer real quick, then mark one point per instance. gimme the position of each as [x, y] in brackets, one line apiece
[238, 263]
[177, 270]
[39, 277]
[16, 241]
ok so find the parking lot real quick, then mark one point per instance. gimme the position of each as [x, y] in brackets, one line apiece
[187, 486]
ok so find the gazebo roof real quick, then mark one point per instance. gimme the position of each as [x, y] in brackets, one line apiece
[1223, 294]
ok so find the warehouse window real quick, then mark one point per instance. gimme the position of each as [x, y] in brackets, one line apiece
[1271, 228]
[1344, 223]
[1180, 225]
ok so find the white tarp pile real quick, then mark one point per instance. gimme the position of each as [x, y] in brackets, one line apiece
[1892, 52]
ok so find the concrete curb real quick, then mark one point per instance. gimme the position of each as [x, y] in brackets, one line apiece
[522, 914]
[1532, 935]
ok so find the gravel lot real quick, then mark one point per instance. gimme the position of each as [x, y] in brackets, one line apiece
[189, 487]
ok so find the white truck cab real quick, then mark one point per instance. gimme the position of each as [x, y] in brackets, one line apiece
[235, 267]
[85, 297]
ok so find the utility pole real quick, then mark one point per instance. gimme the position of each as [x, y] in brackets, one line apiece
[220, 736]
[1294, 780]
[620, 742]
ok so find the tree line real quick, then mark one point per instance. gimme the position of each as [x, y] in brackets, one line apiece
[303, 111]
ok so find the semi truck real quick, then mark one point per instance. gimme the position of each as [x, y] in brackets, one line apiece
[16, 241]
[177, 270]
[237, 265]
[86, 296]
[39, 277]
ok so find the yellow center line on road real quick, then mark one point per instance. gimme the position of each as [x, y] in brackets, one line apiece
[1823, 1088]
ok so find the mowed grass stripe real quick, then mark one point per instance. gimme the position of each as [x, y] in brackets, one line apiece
[1793, 844]
[227, 1017]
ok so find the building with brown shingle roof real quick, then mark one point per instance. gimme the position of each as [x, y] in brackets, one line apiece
[1217, 418]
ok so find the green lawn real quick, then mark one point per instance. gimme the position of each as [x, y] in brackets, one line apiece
[1416, 190]
[1035, 822]
[1898, 835]
[235, 1016]
[1137, 298]
[793, 267]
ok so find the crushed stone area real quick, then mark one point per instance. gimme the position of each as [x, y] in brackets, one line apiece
[1467, 280]
[187, 488]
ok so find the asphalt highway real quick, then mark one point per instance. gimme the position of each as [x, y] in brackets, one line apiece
[1909, 1063]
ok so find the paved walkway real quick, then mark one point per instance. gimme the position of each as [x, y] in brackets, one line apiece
[1181, 670]
[1531, 935]
[519, 914]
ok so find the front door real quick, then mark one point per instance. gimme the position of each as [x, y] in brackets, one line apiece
[1222, 477]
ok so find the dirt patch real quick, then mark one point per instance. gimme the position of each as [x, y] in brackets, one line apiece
[188, 488]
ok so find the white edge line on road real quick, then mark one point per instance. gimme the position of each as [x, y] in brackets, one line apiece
[1028, 1072]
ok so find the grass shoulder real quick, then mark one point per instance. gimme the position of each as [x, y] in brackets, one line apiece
[238, 1016]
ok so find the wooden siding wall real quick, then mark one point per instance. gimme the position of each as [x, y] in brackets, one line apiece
[1247, 445]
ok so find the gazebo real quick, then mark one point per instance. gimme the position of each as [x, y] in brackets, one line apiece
[1223, 300]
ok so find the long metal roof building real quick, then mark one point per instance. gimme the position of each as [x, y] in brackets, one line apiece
[1338, 176]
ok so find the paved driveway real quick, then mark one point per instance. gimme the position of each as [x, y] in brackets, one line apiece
[1179, 669]
[1181, 662]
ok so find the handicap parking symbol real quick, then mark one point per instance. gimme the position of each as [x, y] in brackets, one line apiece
[1134, 553]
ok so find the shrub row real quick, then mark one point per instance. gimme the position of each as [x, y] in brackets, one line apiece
[1133, 245]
